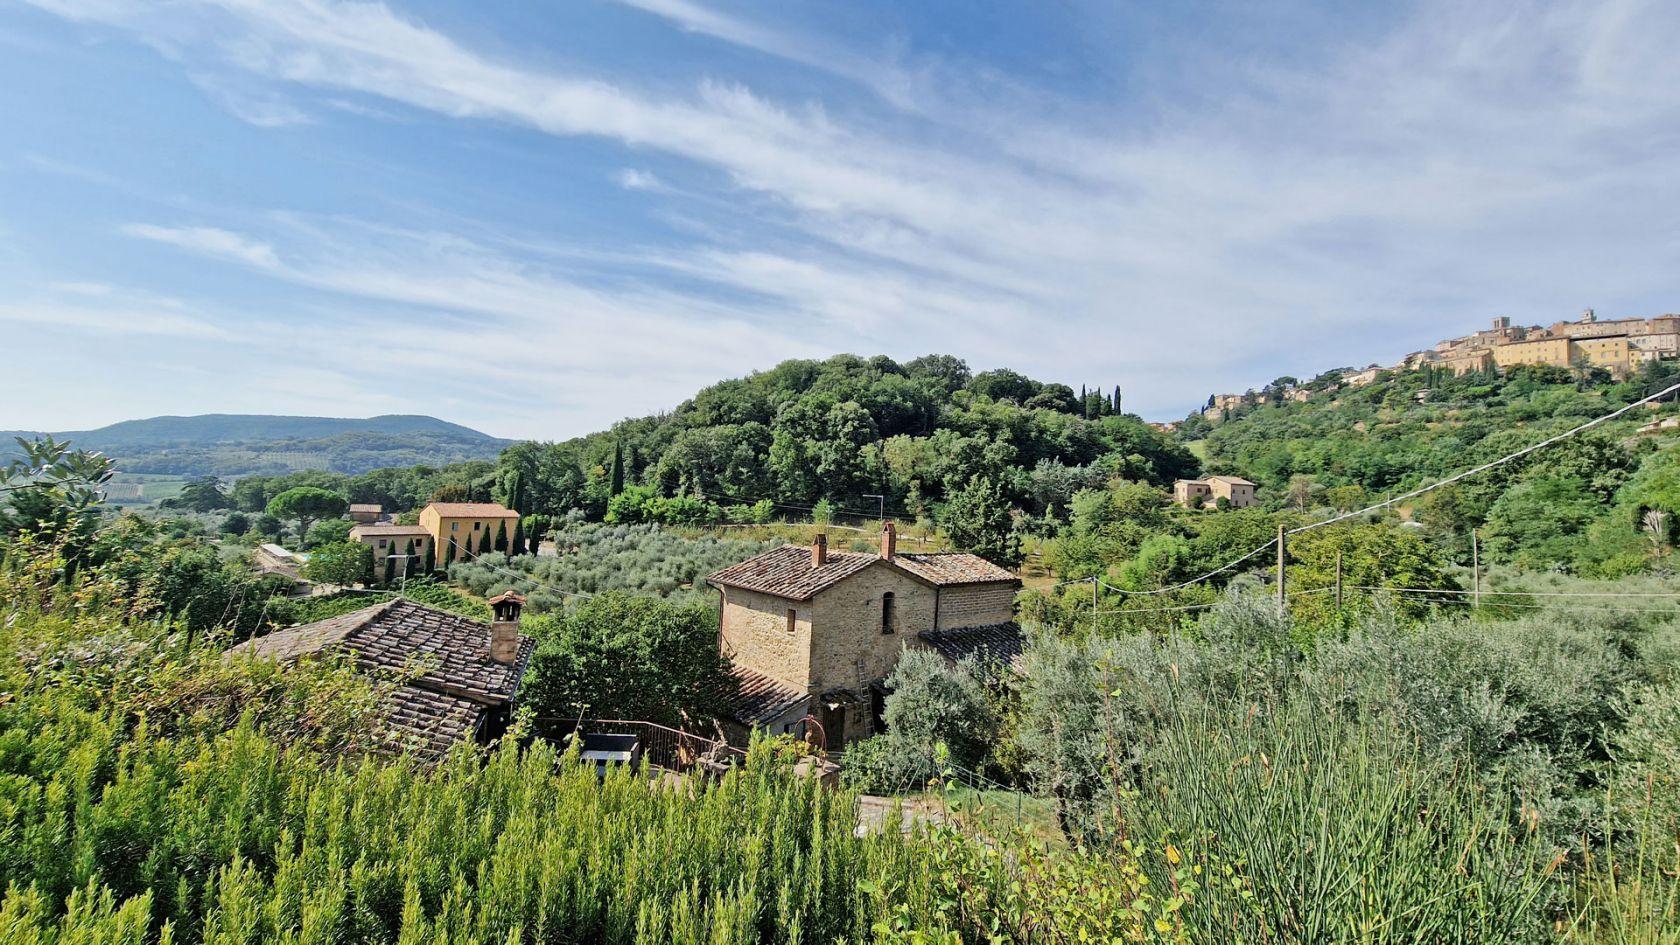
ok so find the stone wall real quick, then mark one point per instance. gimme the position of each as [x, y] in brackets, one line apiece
[976, 605]
[849, 650]
[754, 633]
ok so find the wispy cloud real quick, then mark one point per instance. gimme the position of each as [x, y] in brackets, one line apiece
[1294, 216]
[262, 108]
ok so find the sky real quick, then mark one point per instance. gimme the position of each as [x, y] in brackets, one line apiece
[536, 218]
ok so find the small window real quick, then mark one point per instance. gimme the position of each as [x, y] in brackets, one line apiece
[476, 524]
[793, 619]
[887, 612]
[454, 526]
[382, 543]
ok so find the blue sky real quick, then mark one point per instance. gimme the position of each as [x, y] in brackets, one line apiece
[537, 218]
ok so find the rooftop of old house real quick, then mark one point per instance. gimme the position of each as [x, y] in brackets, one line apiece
[791, 571]
[448, 676]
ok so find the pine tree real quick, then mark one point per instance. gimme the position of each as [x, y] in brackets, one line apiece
[617, 481]
[977, 519]
[501, 536]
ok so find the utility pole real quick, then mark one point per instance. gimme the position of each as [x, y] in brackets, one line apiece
[1338, 580]
[403, 581]
[1094, 583]
[1282, 592]
[883, 502]
[1475, 571]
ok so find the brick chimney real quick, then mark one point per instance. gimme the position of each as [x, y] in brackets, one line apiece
[819, 551]
[504, 628]
[889, 541]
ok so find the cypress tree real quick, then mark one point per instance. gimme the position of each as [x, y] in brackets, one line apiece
[519, 536]
[431, 561]
[390, 570]
[502, 536]
[617, 482]
[1117, 400]
[484, 542]
[449, 554]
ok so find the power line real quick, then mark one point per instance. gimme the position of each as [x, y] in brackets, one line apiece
[1436, 590]
[1415, 492]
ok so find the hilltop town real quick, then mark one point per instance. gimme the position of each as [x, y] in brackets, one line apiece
[1619, 346]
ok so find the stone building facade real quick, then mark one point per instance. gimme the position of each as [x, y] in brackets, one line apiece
[811, 633]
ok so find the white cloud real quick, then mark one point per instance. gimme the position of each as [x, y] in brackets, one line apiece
[260, 108]
[209, 241]
[632, 179]
[1476, 159]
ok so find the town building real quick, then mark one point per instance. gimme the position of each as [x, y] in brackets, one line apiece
[386, 540]
[366, 513]
[811, 633]
[459, 677]
[1237, 492]
[458, 528]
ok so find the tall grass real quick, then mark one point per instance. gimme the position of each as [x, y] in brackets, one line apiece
[1343, 832]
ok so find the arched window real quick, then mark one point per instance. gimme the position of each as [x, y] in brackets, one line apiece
[887, 612]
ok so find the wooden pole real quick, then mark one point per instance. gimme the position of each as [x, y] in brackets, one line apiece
[1338, 580]
[1282, 593]
[1475, 571]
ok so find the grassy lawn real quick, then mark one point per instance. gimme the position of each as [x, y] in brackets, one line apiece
[1198, 449]
[1002, 809]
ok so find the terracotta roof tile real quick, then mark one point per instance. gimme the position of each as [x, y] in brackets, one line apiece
[760, 699]
[1000, 641]
[472, 510]
[451, 652]
[428, 723]
[389, 530]
[787, 572]
[954, 568]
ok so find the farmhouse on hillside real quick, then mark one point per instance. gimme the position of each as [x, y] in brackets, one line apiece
[813, 632]
[459, 676]
[1237, 492]
[385, 540]
[467, 529]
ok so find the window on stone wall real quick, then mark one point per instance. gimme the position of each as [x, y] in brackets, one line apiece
[887, 612]
[793, 619]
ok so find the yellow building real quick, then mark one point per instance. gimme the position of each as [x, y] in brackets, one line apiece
[460, 527]
[1613, 353]
[1553, 351]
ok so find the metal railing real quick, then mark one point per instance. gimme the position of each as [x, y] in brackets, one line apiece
[662, 746]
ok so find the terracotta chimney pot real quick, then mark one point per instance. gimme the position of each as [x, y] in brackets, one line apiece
[889, 541]
[819, 551]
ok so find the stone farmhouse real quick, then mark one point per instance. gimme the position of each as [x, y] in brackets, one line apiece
[810, 632]
[460, 677]
[1237, 492]
[386, 539]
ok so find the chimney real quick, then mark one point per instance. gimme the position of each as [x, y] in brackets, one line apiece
[889, 540]
[819, 551]
[504, 627]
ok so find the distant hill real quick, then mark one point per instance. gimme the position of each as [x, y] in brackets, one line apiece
[236, 444]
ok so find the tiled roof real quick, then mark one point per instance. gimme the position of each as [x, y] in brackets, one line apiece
[1233, 480]
[451, 652]
[388, 530]
[760, 699]
[787, 572]
[953, 568]
[426, 722]
[998, 641]
[472, 510]
[366, 507]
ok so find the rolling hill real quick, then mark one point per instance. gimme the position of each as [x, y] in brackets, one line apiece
[236, 444]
